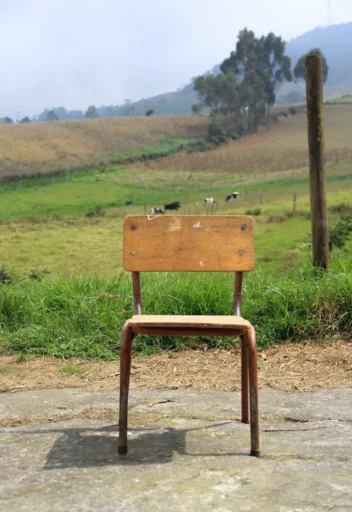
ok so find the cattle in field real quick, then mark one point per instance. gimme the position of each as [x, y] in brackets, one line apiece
[209, 200]
[157, 211]
[233, 195]
[172, 206]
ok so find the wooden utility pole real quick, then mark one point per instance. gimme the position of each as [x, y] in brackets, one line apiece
[317, 171]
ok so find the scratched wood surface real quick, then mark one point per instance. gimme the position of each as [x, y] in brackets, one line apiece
[188, 243]
[201, 321]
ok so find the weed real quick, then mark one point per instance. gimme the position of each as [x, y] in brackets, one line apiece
[340, 232]
[255, 212]
[6, 370]
[96, 211]
[72, 370]
[341, 208]
[6, 275]
[37, 274]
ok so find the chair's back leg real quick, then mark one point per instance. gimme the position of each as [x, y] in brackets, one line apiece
[253, 392]
[125, 368]
[244, 379]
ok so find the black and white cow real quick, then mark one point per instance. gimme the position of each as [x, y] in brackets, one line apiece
[157, 211]
[209, 200]
[233, 195]
[172, 206]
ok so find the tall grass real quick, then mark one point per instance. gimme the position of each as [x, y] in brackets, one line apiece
[82, 317]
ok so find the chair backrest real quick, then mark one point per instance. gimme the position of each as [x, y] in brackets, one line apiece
[188, 243]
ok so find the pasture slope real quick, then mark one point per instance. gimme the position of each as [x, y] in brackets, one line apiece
[45, 148]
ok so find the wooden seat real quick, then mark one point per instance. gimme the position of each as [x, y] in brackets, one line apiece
[198, 321]
[188, 243]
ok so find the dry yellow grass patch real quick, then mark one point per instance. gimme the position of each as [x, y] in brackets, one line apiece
[289, 367]
[45, 147]
[284, 146]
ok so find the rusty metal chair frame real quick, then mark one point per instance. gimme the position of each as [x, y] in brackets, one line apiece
[249, 379]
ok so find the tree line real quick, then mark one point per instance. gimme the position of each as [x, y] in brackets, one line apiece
[60, 113]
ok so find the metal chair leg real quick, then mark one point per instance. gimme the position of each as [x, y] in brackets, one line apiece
[244, 379]
[125, 367]
[253, 392]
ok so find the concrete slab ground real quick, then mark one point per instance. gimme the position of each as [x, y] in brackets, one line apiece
[188, 452]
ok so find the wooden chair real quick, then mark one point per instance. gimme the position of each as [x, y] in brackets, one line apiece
[191, 244]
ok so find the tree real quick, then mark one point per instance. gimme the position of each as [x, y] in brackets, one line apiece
[92, 112]
[219, 93]
[52, 116]
[260, 63]
[248, 83]
[25, 120]
[8, 120]
[277, 67]
[300, 68]
[197, 108]
[149, 112]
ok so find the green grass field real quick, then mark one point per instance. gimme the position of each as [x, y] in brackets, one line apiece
[44, 224]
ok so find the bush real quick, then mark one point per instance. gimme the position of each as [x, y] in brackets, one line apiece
[292, 111]
[255, 212]
[6, 275]
[341, 232]
[37, 275]
[217, 133]
[96, 211]
[341, 208]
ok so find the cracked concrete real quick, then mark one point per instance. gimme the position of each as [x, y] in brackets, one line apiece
[188, 451]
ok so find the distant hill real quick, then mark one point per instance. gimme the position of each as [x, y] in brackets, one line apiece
[334, 41]
[336, 44]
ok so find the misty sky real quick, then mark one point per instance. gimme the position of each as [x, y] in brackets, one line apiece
[74, 53]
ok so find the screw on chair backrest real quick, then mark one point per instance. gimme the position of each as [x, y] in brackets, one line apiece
[188, 243]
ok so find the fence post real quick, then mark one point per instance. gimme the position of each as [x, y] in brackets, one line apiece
[294, 202]
[317, 170]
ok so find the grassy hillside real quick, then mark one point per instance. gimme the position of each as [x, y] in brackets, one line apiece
[346, 99]
[281, 148]
[41, 148]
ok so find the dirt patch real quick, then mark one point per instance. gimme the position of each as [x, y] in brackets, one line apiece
[289, 367]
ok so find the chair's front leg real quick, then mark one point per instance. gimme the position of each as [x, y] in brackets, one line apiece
[253, 392]
[125, 368]
[244, 378]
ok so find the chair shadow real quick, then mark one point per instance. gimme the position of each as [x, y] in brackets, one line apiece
[94, 447]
